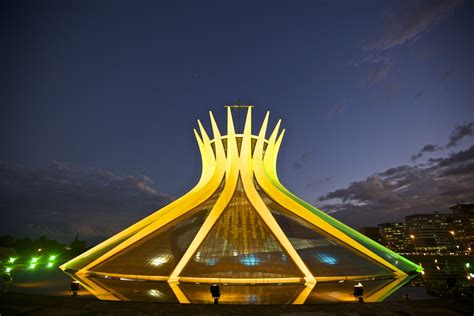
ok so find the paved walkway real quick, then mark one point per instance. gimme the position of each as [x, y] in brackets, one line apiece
[27, 304]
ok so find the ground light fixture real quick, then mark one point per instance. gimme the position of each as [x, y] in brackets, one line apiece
[11, 260]
[8, 269]
[33, 263]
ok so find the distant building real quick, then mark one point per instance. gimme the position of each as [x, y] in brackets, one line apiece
[396, 237]
[463, 225]
[431, 232]
[372, 232]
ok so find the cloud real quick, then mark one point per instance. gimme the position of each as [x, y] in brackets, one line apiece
[459, 132]
[413, 20]
[379, 73]
[63, 199]
[407, 24]
[426, 149]
[403, 190]
[301, 161]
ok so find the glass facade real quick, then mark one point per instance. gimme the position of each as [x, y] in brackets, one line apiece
[332, 292]
[143, 291]
[158, 253]
[323, 254]
[240, 245]
[79, 262]
[244, 294]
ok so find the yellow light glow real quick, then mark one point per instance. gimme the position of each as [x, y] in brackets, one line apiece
[155, 293]
[158, 261]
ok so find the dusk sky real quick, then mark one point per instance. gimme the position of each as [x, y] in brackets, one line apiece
[99, 99]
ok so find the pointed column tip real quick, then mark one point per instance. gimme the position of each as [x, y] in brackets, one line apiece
[201, 127]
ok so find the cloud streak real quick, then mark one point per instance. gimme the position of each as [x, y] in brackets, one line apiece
[63, 199]
[379, 73]
[430, 148]
[460, 132]
[403, 190]
[407, 24]
[412, 21]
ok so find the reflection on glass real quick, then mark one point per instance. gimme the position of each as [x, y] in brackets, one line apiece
[323, 254]
[240, 245]
[250, 260]
[159, 252]
[158, 261]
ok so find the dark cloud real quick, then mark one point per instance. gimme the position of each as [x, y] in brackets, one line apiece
[301, 161]
[409, 23]
[419, 94]
[63, 199]
[403, 190]
[459, 132]
[426, 149]
[460, 157]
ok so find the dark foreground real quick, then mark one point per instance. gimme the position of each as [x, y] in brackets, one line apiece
[27, 304]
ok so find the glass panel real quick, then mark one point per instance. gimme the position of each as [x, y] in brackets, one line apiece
[329, 292]
[243, 294]
[143, 291]
[240, 245]
[80, 262]
[160, 252]
[323, 254]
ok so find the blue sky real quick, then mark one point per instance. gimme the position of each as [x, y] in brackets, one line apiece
[113, 87]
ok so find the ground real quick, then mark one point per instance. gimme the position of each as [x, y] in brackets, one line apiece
[27, 304]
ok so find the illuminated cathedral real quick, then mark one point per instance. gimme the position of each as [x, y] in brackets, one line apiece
[239, 227]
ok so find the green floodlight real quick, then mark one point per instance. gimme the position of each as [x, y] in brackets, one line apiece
[52, 258]
[49, 265]
[12, 260]
[8, 269]
[32, 266]
[34, 260]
